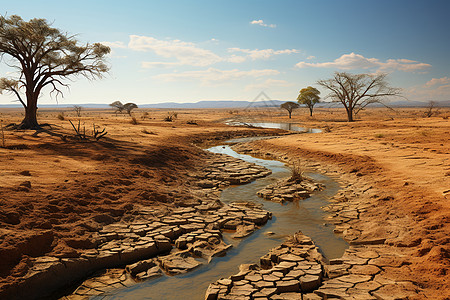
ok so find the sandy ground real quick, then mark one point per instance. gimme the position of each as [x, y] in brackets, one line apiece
[55, 191]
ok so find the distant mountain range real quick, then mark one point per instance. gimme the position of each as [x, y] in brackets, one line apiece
[234, 104]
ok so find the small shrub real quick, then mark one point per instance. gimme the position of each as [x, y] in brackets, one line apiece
[77, 109]
[191, 122]
[171, 116]
[296, 172]
[3, 134]
[327, 128]
[379, 135]
[61, 116]
[144, 115]
[134, 121]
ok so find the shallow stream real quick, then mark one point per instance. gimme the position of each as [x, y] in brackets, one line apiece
[306, 216]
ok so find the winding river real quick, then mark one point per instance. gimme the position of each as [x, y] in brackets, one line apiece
[305, 215]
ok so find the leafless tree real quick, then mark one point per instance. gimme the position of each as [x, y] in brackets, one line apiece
[77, 109]
[430, 109]
[356, 91]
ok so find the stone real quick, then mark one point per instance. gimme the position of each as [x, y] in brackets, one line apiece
[309, 283]
[352, 278]
[365, 270]
[287, 286]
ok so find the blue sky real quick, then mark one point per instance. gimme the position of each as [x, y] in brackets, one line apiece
[187, 51]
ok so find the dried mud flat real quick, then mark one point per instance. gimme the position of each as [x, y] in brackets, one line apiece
[63, 201]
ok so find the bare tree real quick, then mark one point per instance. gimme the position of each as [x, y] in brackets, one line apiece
[289, 106]
[43, 57]
[77, 109]
[356, 91]
[430, 109]
[309, 96]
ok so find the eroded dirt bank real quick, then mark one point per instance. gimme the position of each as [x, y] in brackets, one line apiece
[58, 193]
[394, 201]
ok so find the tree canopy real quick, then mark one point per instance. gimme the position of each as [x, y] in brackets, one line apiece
[289, 106]
[128, 107]
[356, 91]
[43, 57]
[309, 96]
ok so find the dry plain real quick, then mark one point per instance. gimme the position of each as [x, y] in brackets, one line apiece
[56, 191]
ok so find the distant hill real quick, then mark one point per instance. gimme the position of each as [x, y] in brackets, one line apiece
[233, 104]
[215, 104]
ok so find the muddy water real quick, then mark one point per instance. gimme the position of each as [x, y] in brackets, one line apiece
[305, 215]
[284, 126]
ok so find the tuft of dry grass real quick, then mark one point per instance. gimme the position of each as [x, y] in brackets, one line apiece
[296, 172]
[134, 121]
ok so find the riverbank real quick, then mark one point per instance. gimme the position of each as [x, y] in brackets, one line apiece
[394, 200]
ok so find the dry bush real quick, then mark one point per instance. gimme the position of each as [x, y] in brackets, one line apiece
[61, 116]
[3, 134]
[296, 172]
[134, 121]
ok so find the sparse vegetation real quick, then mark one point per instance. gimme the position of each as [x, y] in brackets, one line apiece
[296, 172]
[80, 133]
[192, 122]
[134, 121]
[379, 135]
[356, 91]
[289, 106]
[120, 108]
[309, 96]
[77, 109]
[145, 115]
[430, 109]
[170, 116]
[44, 57]
[61, 116]
[3, 134]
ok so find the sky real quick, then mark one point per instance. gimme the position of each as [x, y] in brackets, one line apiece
[188, 51]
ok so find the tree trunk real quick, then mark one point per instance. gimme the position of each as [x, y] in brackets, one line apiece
[310, 111]
[349, 114]
[30, 120]
[290, 114]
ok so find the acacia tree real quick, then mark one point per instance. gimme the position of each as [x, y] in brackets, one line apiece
[356, 91]
[43, 57]
[118, 106]
[129, 107]
[309, 96]
[289, 106]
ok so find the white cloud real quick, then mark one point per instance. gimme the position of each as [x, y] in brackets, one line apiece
[263, 53]
[185, 52]
[435, 89]
[438, 81]
[311, 57]
[261, 23]
[236, 59]
[113, 45]
[151, 65]
[356, 61]
[216, 76]
[268, 83]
